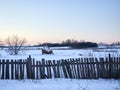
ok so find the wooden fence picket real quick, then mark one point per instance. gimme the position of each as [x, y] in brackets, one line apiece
[3, 70]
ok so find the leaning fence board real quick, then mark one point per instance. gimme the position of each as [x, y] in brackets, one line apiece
[94, 75]
[58, 69]
[97, 68]
[74, 65]
[78, 69]
[64, 69]
[54, 69]
[72, 68]
[81, 69]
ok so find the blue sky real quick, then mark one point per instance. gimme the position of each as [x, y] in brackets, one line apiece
[58, 20]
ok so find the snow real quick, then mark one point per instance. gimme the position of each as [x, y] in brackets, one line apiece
[61, 84]
[61, 54]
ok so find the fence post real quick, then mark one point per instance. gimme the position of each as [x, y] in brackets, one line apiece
[43, 69]
[110, 65]
[12, 68]
[3, 69]
[29, 67]
[7, 69]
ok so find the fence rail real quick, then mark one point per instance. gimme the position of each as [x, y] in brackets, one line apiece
[79, 68]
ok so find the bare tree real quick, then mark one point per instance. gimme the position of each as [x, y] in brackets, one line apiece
[1, 44]
[15, 44]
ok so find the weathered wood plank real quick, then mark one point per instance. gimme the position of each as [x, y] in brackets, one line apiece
[37, 70]
[33, 68]
[49, 68]
[43, 69]
[3, 69]
[58, 69]
[64, 69]
[78, 69]
[12, 70]
[40, 69]
[54, 69]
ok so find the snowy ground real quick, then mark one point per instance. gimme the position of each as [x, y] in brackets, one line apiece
[61, 54]
[60, 84]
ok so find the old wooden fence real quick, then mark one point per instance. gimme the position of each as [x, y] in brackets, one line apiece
[80, 68]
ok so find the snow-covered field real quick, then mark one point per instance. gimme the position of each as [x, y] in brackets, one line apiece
[61, 84]
[61, 53]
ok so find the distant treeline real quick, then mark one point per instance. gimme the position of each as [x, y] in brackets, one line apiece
[84, 45]
[71, 43]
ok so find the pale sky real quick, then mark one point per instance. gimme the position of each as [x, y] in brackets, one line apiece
[58, 20]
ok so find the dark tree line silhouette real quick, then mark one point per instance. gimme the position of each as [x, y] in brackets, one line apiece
[71, 43]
